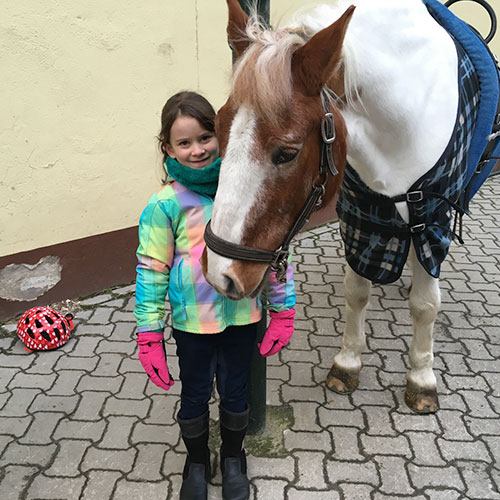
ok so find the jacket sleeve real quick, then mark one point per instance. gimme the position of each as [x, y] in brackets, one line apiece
[280, 296]
[155, 256]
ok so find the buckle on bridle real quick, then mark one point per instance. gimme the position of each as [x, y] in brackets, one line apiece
[280, 265]
[328, 128]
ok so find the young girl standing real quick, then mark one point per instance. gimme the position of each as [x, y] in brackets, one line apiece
[214, 335]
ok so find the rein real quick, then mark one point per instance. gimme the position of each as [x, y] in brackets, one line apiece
[278, 260]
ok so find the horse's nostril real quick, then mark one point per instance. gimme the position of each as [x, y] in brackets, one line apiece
[230, 287]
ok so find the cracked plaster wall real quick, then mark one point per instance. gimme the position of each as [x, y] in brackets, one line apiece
[82, 90]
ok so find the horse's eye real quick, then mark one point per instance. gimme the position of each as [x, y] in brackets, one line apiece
[283, 155]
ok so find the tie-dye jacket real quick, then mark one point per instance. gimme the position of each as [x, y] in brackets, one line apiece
[170, 246]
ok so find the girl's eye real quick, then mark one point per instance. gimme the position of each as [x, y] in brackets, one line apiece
[283, 155]
[206, 138]
[184, 143]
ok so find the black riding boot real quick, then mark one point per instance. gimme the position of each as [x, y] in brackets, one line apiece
[233, 427]
[197, 467]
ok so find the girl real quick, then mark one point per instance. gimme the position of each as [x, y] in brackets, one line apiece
[214, 336]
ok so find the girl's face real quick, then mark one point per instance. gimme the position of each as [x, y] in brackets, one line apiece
[191, 144]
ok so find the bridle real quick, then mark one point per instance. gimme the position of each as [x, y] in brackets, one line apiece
[278, 260]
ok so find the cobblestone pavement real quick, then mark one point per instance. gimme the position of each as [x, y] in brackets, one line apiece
[83, 423]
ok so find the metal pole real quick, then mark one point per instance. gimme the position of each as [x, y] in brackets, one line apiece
[257, 379]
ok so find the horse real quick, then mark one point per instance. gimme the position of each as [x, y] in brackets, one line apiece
[372, 101]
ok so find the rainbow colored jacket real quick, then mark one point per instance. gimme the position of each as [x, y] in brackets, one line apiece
[171, 242]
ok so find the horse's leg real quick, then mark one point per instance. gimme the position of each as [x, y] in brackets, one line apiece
[344, 374]
[425, 300]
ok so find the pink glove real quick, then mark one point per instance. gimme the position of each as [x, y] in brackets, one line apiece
[153, 359]
[278, 332]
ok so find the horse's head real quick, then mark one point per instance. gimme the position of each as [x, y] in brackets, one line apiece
[270, 140]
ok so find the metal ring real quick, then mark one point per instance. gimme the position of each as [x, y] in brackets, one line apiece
[491, 13]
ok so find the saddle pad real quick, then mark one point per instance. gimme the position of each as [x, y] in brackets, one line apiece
[489, 84]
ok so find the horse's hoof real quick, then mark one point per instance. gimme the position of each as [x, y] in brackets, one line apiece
[341, 382]
[422, 401]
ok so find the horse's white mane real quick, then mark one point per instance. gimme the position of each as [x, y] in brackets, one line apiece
[262, 77]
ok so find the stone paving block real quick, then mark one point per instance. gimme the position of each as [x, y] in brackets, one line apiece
[112, 346]
[90, 404]
[14, 480]
[117, 433]
[98, 299]
[124, 332]
[395, 480]
[425, 449]
[339, 418]
[100, 384]
[124, 316]
[44, 361]
[341, 471]
[32, 381]
[68, 458]
[372, 398]
[100, 484]
[115, 406]
[315, 476]
[49, 403]
[69, 428]
[412, 422]
[273, 392]
[66, 382]
[108, 364]
[378, 445]
[163, 410]
[149, 463]
[19, 402]
[144, 433]
[100, 459]
[443, 494]
[296, 356]
[278, 372]
[305, 417]
[346, 443]
[270, 489]
[299, 341]
[31, 454]
[432, 477]
[295, 393]
[300, 374]
[173, 462]
[41, 428]
[15, 426]
[307, 440]
[141, 490]
[476, 382]
[52, 488]
[277, 468]
[298, 494]
[133, 386]
[355, 491]
[100, 316]
[22, 361]
[478, 481]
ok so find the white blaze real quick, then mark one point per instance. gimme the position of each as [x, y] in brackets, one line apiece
[240, 180]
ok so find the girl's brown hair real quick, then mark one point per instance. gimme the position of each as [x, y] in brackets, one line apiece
[184, 103]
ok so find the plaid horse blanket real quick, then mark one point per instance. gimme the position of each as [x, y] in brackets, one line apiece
[376, 238]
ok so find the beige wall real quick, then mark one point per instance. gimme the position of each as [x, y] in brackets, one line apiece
[82, 88]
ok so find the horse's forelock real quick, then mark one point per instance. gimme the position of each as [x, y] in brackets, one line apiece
[262, 78]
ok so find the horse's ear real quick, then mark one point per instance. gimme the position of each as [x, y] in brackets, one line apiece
[313, 63]
[236, 27]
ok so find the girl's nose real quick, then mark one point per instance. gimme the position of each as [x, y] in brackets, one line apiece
[198, 150]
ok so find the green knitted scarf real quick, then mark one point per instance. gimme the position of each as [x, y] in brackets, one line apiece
[202, 181]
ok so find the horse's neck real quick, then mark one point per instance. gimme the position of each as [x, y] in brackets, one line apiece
[405, 68]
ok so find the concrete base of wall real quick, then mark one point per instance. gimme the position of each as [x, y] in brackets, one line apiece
[66, 271]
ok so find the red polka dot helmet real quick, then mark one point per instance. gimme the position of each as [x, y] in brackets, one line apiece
[43, 328]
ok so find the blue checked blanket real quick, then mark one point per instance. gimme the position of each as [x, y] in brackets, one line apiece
[376, 238]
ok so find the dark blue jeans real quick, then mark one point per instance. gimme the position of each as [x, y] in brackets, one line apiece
[225, 356]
